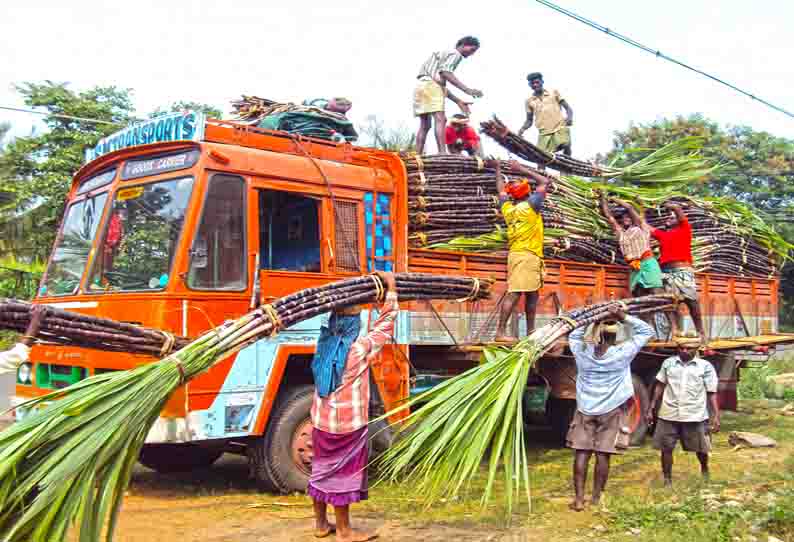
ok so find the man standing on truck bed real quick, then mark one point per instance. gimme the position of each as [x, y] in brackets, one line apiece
[675, 257]
[634, 237]
[544, 109]
[686, 386]
[340, 412]
[521, 209]
[603, 387]
[431, 91]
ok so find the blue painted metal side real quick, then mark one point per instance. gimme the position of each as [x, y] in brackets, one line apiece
[377, 214]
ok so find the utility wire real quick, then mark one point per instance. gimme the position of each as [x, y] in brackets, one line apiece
[659, 54]
[59, 116]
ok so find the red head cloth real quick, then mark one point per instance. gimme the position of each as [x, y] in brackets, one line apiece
[518, 190]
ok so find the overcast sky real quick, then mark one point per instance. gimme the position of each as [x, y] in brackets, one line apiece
[210, 51]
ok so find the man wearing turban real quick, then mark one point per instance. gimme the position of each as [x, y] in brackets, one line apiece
[521, 207]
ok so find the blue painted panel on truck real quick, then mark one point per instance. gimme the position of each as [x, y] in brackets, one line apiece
[378, 229]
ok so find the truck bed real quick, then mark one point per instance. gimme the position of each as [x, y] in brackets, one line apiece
[732, 306]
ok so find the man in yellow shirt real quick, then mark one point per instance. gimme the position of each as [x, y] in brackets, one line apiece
[544, 108]
[521, 209]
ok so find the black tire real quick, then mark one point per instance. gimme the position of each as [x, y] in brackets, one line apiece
[641, 402]
[559, 413]
[165, 458]
[271, 456]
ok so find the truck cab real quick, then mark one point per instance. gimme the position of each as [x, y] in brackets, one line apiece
[181, 235]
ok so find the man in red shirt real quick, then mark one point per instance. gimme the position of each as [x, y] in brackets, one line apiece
[462, 137]
[675, 257]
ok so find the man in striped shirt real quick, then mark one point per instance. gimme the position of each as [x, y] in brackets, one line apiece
[431, 91]
[340, 414]
[634, 237]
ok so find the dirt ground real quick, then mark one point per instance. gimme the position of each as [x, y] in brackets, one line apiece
[222, 504]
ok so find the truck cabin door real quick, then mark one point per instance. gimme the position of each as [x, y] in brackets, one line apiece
[307, 240]
[218, 269]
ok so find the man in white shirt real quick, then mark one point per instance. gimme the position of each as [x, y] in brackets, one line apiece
[603, 387]
[11, 359]
[686, 386]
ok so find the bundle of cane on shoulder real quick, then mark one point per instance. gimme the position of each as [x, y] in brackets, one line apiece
[477, 415]
[69, 463]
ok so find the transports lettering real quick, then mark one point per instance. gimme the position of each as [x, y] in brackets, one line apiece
[173, 127]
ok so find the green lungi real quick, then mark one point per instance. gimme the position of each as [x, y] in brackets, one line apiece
[648, 276]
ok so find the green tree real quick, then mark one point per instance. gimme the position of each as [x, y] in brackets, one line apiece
[39, 168]
[390, 139]
[209, 110]
[6, 197]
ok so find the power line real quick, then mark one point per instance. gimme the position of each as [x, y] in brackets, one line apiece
[659, 54]
[59, 116]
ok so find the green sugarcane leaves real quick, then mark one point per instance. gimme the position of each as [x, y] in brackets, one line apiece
[442, 444]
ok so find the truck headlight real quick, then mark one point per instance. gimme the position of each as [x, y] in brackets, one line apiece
[24, 373]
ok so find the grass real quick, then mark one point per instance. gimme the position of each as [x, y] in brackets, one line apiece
[751, 493]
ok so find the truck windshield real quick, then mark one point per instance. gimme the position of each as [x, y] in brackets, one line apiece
[73, 246]
[141, 236]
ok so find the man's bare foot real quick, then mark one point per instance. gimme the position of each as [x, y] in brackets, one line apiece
[324, 531]
[576, 506]
[355, 535]
[505, 339]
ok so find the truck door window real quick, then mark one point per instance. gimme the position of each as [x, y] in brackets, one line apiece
[289, 230]
[217, 259]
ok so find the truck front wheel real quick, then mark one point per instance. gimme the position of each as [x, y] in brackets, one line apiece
[281, 459]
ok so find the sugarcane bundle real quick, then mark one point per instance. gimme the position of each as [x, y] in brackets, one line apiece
[727, 236]
[519, 146]
[71, 328]
[70, 462]
[675, 164]
[451, 196]
[477, 415]
[251, 109]
[452, 164]
[453, 205]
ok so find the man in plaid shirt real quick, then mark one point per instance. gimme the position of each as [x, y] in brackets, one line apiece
[340, 413]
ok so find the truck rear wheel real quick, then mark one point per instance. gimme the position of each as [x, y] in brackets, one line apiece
[281, 459]
[638, 406]
[167, 458]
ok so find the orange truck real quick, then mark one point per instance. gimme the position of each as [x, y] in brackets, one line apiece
[182, 222]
